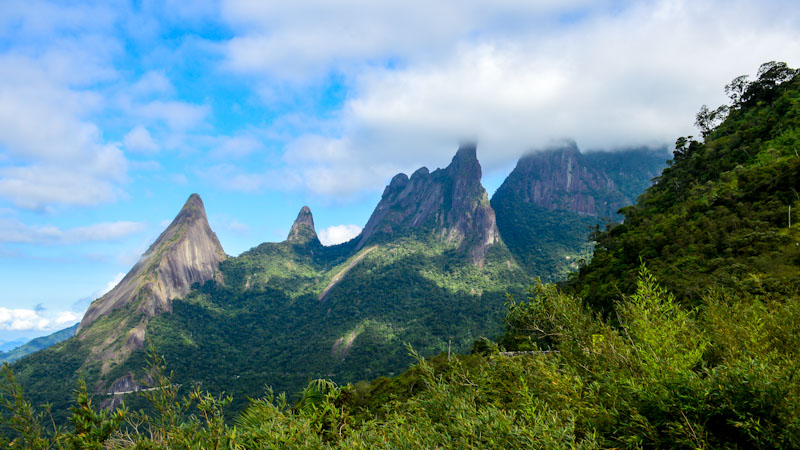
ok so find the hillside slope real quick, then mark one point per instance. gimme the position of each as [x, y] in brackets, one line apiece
[719, 215]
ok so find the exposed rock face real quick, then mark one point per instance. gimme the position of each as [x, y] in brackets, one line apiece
[186, 252]
[548, 205]
[303, 228]
[451, 200]
[595, 184]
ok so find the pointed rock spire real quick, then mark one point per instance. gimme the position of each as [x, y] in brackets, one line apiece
[303, 227]
[187, 252]
[451, 200]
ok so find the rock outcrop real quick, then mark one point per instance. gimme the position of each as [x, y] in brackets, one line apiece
[303, 228]
[187, 252]
[547, 207]
[594, 184]
[451, 201]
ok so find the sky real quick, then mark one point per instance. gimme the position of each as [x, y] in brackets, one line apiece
[113, 112]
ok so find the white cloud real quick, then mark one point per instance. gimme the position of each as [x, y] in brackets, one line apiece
[176, 114]
[13, 230]
[138, 140]
[111, 284]
[53, 153]
[337, 234]
[233, 147]
[38, 19]
[29, 319]
[513, 75]
[152, 82]
[295, 40]
[67, 318]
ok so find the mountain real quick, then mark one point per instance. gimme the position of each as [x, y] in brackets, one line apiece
[429, 269]
[302, 230]
[548, 205]
[187, 252]
[11, 345]
[34, 345]
[450, 202]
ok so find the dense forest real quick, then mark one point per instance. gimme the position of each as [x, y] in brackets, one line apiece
[681, 332]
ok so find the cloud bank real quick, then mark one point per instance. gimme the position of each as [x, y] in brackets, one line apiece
[31, 319]
[12, 230]
[515, 76]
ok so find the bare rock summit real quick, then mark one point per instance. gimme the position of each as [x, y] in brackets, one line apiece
[303, 228]
[451, 201]
[187, 252]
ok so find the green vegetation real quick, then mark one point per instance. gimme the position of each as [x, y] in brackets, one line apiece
[237, 339]
[550, 244]
[266, 326]
[722, 376]
[719, 215]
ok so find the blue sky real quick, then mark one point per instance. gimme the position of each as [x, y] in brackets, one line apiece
[113, 112]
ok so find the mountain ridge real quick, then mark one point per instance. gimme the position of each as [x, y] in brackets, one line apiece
[451, 200]
[549, 204]
[429, 269]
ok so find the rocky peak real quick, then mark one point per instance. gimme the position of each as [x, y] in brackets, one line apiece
[187, 252]
[451, 201]
[303, 227]
[595, 184]
[465, 163]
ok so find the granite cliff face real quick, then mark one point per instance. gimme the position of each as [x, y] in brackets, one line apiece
[187, 252]
[594, 184]
[451, 201]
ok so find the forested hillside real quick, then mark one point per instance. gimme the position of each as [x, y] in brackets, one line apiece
[682, 332]
[719, 216]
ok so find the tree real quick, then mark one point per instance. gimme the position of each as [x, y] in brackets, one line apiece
[708, 119]
[736, 88]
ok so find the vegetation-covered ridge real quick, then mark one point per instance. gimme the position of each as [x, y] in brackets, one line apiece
[270, 323]
[660, 376]
[720, 214]
[34, 345]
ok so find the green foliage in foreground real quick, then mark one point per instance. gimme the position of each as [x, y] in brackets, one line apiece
[720, 376]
